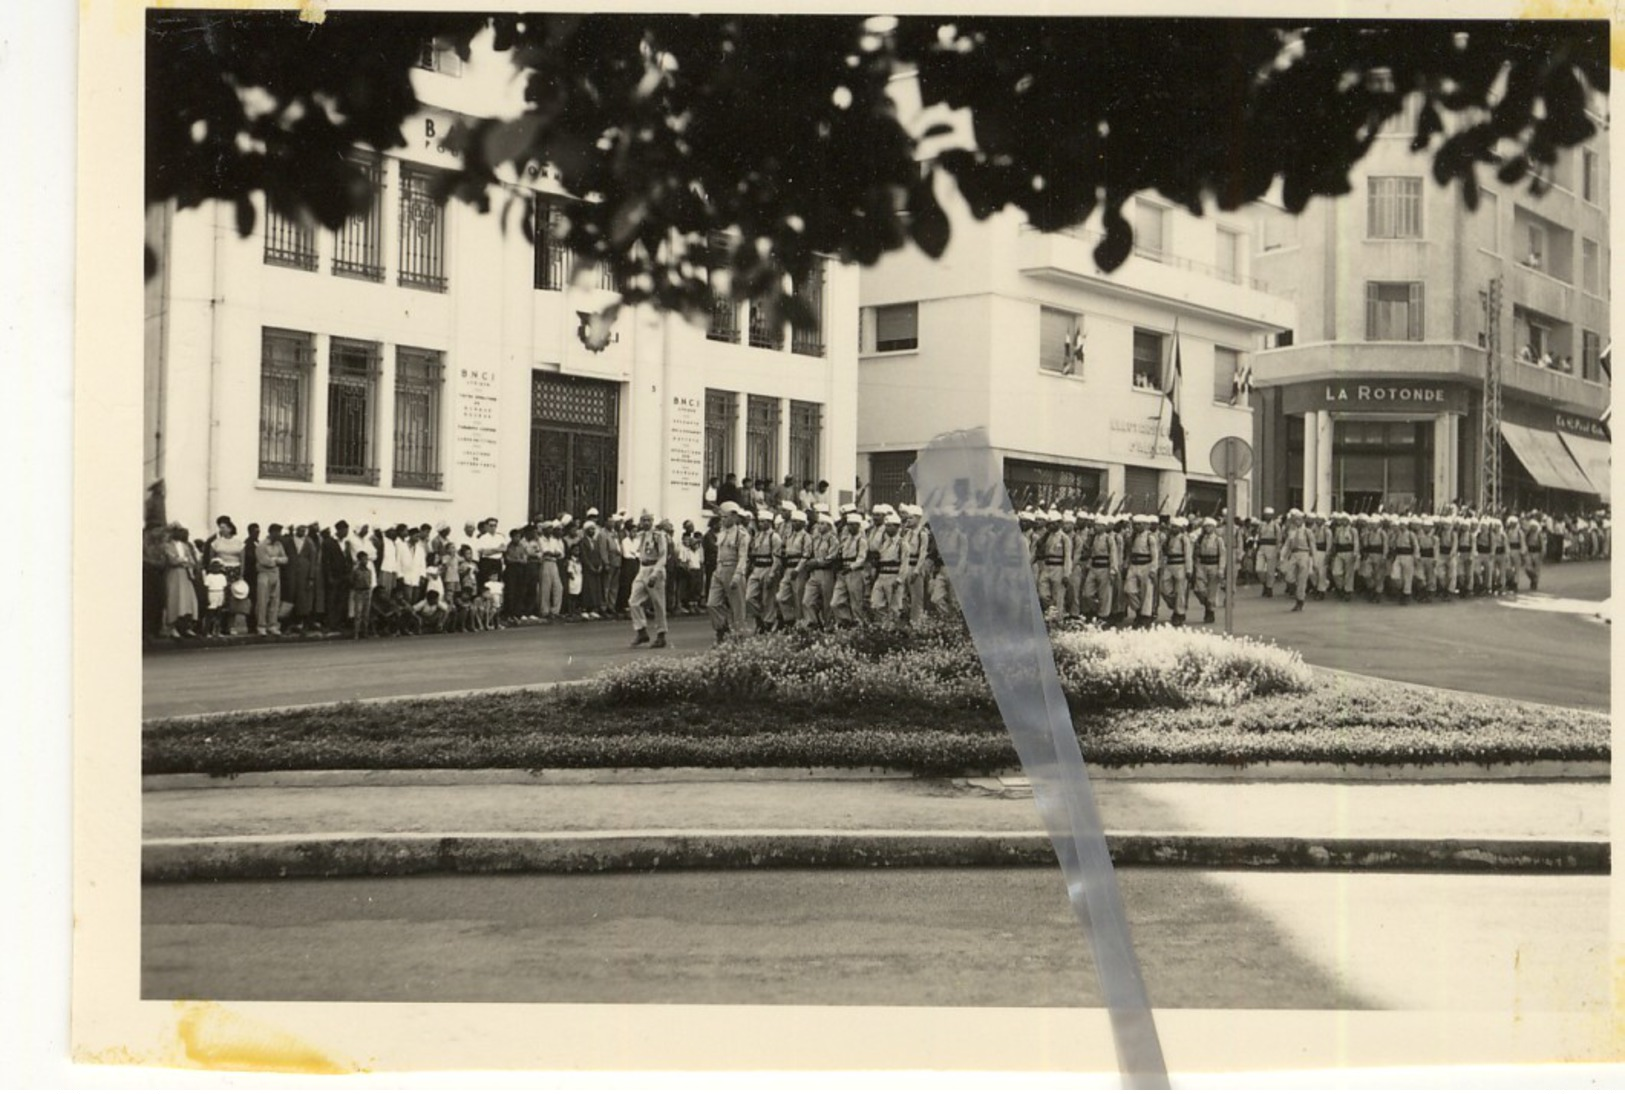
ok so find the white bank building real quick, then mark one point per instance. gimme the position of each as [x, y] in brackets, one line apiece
[427, 362]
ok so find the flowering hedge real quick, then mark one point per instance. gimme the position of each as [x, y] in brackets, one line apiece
[937, 668]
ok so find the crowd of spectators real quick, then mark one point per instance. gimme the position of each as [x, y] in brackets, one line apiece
[293, 579]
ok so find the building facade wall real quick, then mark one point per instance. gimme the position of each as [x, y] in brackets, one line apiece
[216, 294]
[1341, 254]
[981, 353]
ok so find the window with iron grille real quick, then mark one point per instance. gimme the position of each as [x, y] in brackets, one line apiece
[809, 340]
[1393, 311]
[889, 481]
[1148, 360]
[423, 231]
[358, 246]
[806, 433]
[608, 279]
[724, 326]
[289, 242]
[352, 409]
[552, 257]
[286, 361]
[764, 334]
[1394, 208]
[721, 414]
[762, 437]
[419, 379]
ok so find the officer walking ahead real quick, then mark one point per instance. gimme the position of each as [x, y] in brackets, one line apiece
[649, 587]
[1300, 557]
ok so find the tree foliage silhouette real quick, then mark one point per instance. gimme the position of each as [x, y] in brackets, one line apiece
[753, 143]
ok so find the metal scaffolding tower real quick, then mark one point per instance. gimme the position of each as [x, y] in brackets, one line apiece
[1489, 476]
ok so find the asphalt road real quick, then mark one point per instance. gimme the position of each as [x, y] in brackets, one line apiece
[983, 937]
[1482, 646]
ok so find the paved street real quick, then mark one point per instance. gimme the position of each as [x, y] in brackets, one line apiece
[984, 937]
[1483, 646]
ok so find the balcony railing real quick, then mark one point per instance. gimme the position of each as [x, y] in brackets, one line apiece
[1094, 238]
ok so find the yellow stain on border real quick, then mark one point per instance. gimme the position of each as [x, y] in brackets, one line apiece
[212, 1037]
[1581, 9]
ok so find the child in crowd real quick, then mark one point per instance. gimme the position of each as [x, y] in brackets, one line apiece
[493, 604]
[361, 583]
[240, 605]
[214, 611]
[462, 613]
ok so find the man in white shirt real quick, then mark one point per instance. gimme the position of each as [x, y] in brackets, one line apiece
[413, 556]
[630, 537]
[489, 547]
[389, 562]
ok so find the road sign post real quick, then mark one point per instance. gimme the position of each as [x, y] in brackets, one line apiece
[1231, 457]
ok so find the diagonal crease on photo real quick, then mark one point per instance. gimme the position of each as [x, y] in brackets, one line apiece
[957, 480]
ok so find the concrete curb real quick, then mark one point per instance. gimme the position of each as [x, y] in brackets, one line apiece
[1010, 778]
[388, 855]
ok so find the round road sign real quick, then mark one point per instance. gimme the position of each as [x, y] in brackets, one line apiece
[1232, 457]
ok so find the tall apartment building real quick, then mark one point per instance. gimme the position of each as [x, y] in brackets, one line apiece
[1018, 331]
[426, 363]
[1379, 397]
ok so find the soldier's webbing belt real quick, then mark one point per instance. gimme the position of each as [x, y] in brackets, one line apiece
[1139, 559]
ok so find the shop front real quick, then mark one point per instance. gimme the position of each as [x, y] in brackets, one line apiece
[1361, 444]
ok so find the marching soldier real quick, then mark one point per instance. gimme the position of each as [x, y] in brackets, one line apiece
[1345, 555]
[1466, 554]
[1139, 582]
[1209, 554]
[1055, 554]
[1176, 570]
[1534, 540]
[1300, 557]
[914, 572]
[823, 557]
[765, 545]
[886, 598]
[1269, 551]
[1403, 546]
[847, 602]
[1488, 550]
[726, 600]
[649, 586]
[1373, 555]
[793, 550]
[1105, 559]
[1077, 529]
[1427, 558]
[1516, 561]
[1320, 535]
[1120, 526]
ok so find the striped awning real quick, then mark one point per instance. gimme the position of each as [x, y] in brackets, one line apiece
[1544, 457]
[1593, 457]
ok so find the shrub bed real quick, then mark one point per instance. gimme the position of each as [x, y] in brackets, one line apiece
[936, 668]
[1336, 720]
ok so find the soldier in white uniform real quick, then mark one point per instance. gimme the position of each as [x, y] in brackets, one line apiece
[726, 601]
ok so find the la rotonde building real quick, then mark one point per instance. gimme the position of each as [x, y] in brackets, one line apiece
[428, 363]
[1378, 400]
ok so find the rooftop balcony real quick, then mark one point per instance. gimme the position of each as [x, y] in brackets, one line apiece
[1068, 257]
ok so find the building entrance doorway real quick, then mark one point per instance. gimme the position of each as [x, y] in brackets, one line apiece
[575, 441]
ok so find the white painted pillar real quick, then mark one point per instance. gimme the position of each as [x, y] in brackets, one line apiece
[1323, 462]
[1444, 458]
[318, 409]
[784, 442]
[1311, 461]
[741, 435]
[383, 453]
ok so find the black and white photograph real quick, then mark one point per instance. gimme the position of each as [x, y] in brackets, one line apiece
[1081, 540]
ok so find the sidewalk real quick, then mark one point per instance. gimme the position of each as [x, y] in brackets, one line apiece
[331, 824]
